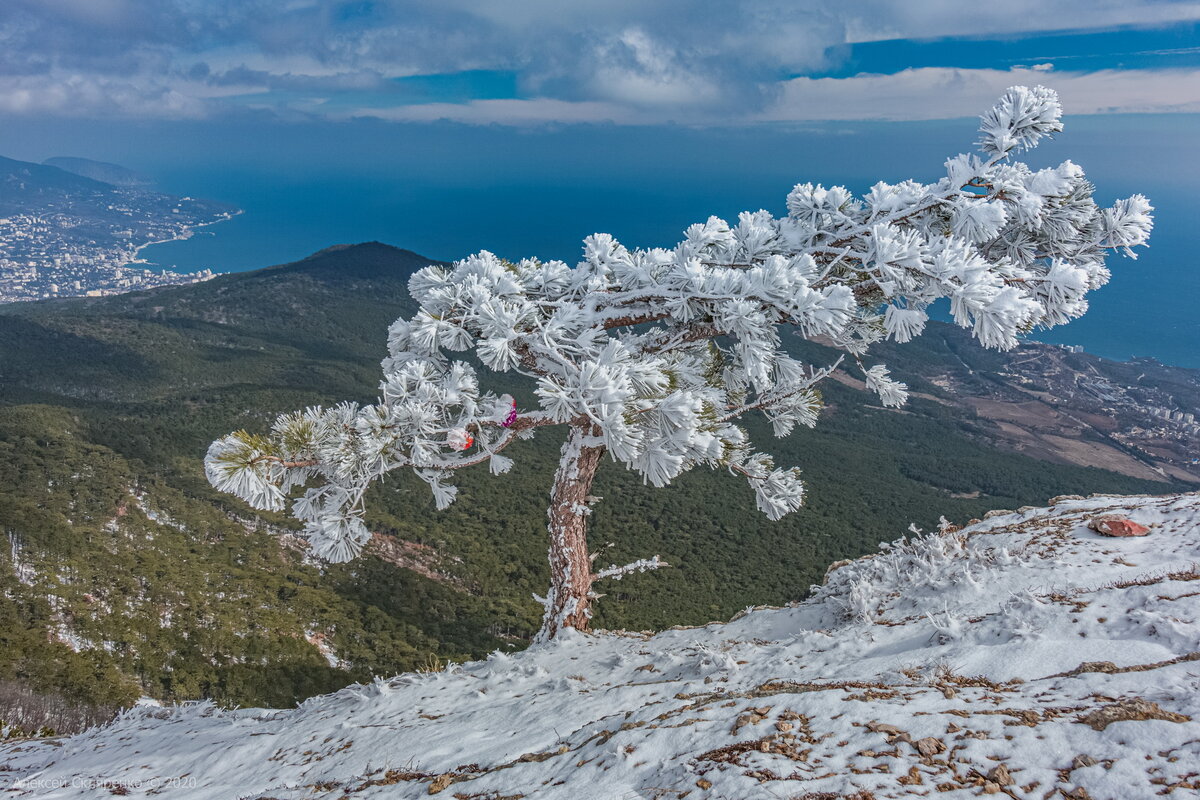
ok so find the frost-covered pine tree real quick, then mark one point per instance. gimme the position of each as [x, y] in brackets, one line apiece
[650, 357]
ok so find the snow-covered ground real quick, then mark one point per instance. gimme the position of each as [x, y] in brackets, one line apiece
[1025, 655]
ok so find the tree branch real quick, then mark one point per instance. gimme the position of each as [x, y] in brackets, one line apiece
[535, 419]
[312, 462]
[641, 565]
[766, 402]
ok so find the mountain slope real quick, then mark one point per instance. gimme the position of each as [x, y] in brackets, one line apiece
[99, 170]
[118, 397]
[1024, 655]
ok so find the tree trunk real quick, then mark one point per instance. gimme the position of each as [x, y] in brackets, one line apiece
[567, 603]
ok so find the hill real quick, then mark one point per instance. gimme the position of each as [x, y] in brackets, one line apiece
[128, 575]
[1026, 656]
[99, 170]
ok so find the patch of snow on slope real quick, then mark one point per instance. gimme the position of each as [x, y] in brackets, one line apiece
[320, 640]
[1024, 656]
[24, 571]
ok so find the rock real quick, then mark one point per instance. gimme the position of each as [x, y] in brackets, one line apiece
[1129, 709]
[441, 782]
[999, 512]
[1001, 776]
[1082, 761]
[930, 746]
[890, 731]
[1115, 525]
[1060, 498]
[782, 726]
[752, 716]
[991, 787]
[704, 784]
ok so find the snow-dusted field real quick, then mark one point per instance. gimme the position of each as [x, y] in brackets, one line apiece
[1025, 655]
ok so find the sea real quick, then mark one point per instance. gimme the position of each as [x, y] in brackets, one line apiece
[521, 195]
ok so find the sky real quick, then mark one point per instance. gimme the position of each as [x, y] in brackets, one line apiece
[522, 126]
[625, 61]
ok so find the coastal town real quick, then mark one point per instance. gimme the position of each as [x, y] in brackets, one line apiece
[63, 235]
[1138, 417]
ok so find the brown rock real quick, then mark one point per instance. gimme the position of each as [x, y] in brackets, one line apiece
[1129, 709]
[704, 784]
[1115, 525]
[441, 782]
[930, 746]
[1000, 775]
[890, 731]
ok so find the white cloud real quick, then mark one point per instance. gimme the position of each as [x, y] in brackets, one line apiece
[505, 112]
[941, 93]
[916, 94]
[80, 95]
[875, 20]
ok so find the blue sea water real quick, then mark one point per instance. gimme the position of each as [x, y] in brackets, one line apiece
[446, 191]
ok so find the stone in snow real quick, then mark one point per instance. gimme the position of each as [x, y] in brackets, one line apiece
[1114, 525]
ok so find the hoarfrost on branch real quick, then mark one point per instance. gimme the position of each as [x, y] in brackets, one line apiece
[651, 356]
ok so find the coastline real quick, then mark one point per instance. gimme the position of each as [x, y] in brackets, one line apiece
[184, 236]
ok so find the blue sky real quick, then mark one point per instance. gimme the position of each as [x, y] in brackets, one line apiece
[522, 126]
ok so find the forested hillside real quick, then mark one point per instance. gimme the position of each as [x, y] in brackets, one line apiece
[127, 574]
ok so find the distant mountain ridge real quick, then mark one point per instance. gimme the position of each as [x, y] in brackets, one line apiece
[107, 405]
[27, 176]
[103, 171]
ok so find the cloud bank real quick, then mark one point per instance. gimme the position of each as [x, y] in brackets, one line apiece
[624, 61]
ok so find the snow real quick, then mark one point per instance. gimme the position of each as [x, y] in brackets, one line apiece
[320, 640]
[24, 572]
[919, 671]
